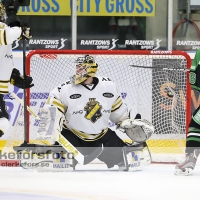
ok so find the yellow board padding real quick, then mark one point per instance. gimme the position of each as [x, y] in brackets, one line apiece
[155, 146]
[2, 144]
[166, 146]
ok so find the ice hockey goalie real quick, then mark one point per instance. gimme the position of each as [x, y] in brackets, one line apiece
[87, 103]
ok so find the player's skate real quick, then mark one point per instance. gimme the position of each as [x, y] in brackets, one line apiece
[185, 168]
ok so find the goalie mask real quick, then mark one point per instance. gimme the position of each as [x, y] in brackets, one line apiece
[85, 67]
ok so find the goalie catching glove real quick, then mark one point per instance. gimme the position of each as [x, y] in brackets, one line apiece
[138, 130]
[21, 81]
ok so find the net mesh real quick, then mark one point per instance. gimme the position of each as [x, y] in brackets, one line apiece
[153, 85]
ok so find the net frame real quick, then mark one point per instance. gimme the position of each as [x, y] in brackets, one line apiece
[52, 53]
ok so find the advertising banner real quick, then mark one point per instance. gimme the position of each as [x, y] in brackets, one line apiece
[42, 43]
[90, 8]
[109, 43]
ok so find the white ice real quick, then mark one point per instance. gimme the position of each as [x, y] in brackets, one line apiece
[95, 181]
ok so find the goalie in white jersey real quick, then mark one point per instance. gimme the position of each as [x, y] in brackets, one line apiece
[88, 103]
[9, 33]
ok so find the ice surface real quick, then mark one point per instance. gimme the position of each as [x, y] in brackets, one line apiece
[95, 181]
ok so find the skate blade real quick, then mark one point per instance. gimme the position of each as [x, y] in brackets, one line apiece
[186, 172]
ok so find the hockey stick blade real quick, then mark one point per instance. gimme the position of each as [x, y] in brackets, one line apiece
[160, 68]
[89, 158]
[38, 148]
[43, 149]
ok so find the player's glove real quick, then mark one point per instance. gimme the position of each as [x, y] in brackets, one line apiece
[26, 31]
[20, 81]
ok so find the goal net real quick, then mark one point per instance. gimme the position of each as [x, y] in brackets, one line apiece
[152, 83]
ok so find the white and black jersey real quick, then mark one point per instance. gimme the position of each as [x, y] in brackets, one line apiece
[7, 36]
[88, 108]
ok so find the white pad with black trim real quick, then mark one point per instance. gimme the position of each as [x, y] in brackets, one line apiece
[136, 158]
[46, 162]
[138, 130]
[50, 125]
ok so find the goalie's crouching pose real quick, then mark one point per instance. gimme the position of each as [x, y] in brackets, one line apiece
[87, 103]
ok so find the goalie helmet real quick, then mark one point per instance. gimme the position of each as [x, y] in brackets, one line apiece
[2, 12]
[85, 67]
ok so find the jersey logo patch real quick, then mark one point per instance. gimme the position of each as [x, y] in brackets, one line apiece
[93, 110]
[75, 96]
[108, 95]
[105, 79]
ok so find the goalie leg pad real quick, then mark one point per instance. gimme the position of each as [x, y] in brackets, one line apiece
[50, 125]
[46, 162]
[136, 157]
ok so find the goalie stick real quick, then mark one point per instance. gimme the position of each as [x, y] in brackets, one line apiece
[63, 142]
[25, 94]
[21, 102]
[161, 68]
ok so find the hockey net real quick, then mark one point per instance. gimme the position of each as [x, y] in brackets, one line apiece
[152, 83]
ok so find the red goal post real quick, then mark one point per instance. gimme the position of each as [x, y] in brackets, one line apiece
[153, 83]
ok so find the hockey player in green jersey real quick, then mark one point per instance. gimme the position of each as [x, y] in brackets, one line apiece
[193, 135]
